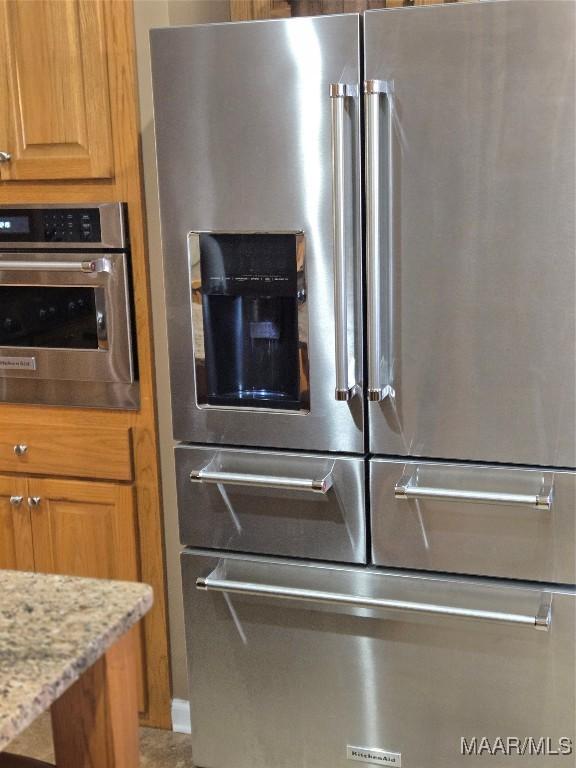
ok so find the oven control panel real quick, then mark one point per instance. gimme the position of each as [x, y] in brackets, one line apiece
[73, 226]
[97, 225]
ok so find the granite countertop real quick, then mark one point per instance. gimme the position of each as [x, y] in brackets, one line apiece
[52, 628]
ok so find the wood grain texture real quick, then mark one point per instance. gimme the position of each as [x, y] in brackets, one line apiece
[95, 722]
[87, 529]
[16, 550]
[125, 186]
[242, 10]
[57, 95]
[74, 452]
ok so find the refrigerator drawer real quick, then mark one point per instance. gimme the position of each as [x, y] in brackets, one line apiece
[482, 520]
[264, 502]
[297, 664]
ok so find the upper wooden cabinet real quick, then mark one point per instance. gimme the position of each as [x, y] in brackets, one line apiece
[55, 107]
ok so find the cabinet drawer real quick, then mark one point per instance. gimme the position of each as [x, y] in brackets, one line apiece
[75, 452]
[289, 659]
[480, 520]
[266, 502]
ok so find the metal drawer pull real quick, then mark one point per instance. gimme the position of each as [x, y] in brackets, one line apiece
[542, 620]
[16, 501]
[380, 351]
[86, 267]
[338, 92]
[405, 489]
[316, 485]
[5, 157]
[21, 449]
[34, 501]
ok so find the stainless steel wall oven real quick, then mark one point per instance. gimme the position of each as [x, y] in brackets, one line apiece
[65, 306]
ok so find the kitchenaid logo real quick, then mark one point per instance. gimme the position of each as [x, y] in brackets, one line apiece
[14, 363]
[374, 756]
[514, 746]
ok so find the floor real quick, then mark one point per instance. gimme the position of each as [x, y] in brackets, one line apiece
[158, 749]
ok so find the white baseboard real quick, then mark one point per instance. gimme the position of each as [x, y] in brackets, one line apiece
[181, 716]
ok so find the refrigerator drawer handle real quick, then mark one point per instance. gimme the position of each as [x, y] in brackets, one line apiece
[380, 351]
[541, 620]
[407, 489]
[345, 388]
[315, 485]
[88, 266]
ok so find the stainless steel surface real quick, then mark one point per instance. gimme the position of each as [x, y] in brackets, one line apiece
[74, 394]
[211, 583]
[197, 317]
[113, 361]
[5, 157]
[20, 449]
[34, 501]
[16, 501]
[237, 153]
[477, 519]
[113, 233]
[345, 363]
[209, 475]
[379, 277]
[265, 671]
[408, 488]
[483, 212]
[264, 501]
[92, 265]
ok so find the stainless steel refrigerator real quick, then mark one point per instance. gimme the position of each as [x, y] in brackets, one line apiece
[369, 243]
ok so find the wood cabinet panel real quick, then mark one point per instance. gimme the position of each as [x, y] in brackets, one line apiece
[57, 97]
[92, 452]
[87, 529]
[15, 528]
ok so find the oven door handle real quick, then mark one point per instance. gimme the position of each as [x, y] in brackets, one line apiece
[541, 620]
[313, 484]
[89, 266]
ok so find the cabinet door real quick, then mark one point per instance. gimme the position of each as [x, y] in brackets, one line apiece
[85, 529]
[15, 531]
[57, 93]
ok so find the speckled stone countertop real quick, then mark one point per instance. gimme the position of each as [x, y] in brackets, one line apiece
[52, 628]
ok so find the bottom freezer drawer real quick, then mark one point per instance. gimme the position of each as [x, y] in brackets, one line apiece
[301, 665]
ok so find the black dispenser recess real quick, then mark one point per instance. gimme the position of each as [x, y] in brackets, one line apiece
[251, 290]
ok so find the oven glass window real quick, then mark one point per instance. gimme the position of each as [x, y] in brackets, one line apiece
[51, 317]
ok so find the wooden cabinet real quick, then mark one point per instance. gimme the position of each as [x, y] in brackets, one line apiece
[69, 119]
[71, 527]
[93, 452]
[16, 550]
[55, 110]
[83, 528]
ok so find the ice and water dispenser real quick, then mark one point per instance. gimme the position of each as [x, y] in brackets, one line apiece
[250, 321]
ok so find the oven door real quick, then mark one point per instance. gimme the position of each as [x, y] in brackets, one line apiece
[65, 317]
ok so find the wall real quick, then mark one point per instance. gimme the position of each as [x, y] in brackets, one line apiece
[148, 14]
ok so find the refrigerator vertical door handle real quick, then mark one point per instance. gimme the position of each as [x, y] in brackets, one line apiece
[379, 350]
[345, 388]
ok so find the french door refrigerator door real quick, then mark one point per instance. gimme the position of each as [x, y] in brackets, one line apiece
[470, 258]
[295, 665]
[258, 140]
